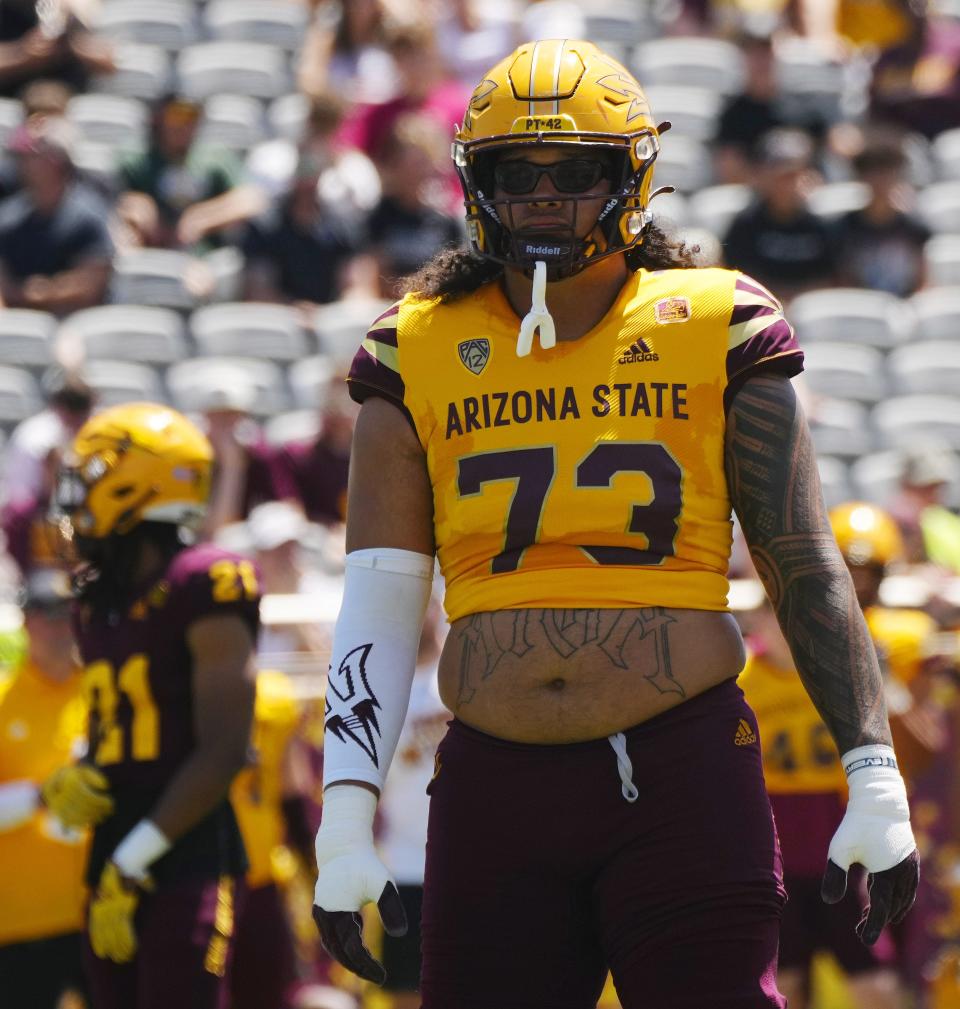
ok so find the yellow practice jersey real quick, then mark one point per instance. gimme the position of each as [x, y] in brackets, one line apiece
[257, 791]
[590, 474]
[900, 637]
[42, 724]
[799, 755]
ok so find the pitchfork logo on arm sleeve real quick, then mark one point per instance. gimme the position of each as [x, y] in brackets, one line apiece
[351, 706]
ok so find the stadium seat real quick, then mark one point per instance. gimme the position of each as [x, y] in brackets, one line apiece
[714, 64]
[939, 206]
[715, 206]
[19, 395]
[683, 163]
[692, 111]
[618, 25]
[241, 68]
[309, 379]
[834, 480]
[840, 427]
[153, 277]
[845, 370]
[249, 329]
[98, 163]
[278, 23]
[127, 333]
[234, 121]
[941, 256]
[837, 198]
[342, 326]
[901, 420]
[851, 315]
[295, 425]
[26, 338]
[110, 119]
[946, 154]
[287, 116]
[875, 477]
[188, 381]
[937, 313]
[813, 82]
[123, 382]
[142, 72]
[926, 366]
[170, 24]
[11, 116]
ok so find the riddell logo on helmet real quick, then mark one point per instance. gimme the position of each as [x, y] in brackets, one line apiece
[544, 250]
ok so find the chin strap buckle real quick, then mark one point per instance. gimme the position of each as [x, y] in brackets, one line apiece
[538, 317]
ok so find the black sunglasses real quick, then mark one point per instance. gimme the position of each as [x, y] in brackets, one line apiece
[517, 178]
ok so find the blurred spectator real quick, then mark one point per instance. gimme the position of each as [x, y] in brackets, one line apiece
[55, 246]
[917, 84]
[278, 533]
[319, 467]
[929, 468]
[344, 51]
[777, 239]
[42, 98]
[407, 229]
[69, 403]
[50, 40]
[180, 192]
[246, 470]
[424, 87]
[752, 113]
[31, 536]
[881, 246]
[348, 179]
[297, 252]
[871, 25]
[473, 37]
[42, 716]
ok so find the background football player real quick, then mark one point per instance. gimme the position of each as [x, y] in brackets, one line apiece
[166, 632]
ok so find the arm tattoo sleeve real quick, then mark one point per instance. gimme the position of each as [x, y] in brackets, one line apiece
[775, 489]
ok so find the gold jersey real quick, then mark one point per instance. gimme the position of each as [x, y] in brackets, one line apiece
[799, 755]
[590, 474]
[900, 638]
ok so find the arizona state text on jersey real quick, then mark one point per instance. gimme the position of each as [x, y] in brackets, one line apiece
[589, 472]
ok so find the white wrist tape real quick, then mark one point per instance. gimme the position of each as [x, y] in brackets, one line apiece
[18, 803]
[375, 642]
[349, 871]
[140, 849]
[875, 830]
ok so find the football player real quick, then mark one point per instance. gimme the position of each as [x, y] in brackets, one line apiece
[166, 633]
[566, 415]
[808, 792]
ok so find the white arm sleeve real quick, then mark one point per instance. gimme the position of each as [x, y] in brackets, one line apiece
[18, 802]
[375, 642]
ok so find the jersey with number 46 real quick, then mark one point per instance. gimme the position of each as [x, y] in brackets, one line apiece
[138, 679]
[590, 474]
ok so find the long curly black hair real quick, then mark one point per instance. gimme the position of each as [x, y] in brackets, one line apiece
[454, 273]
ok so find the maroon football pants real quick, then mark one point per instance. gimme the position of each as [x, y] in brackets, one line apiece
[184, 948]
[541, 875]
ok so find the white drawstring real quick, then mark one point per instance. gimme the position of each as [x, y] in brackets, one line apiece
[625, 766]
[538, 317]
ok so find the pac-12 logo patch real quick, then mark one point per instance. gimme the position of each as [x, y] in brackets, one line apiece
[475, 353]
[672, 310]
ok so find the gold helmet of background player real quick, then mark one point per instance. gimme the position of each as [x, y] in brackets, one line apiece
[866, 534]
[139, 462]
[558, 91]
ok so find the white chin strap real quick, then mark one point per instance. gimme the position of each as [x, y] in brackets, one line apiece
[538, 317]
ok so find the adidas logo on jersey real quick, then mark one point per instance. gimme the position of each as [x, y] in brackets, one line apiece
[744, 735]
[639, 351]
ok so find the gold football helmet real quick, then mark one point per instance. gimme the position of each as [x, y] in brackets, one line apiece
[138, 462]
[866, 534]
[558, 91]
